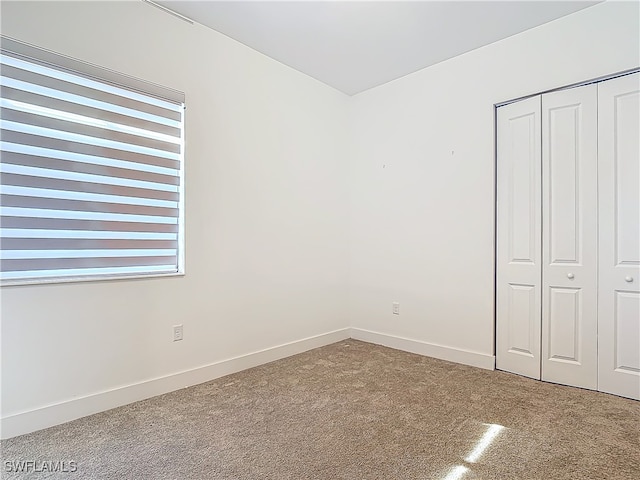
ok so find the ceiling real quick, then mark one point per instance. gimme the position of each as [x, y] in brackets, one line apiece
[356, 45]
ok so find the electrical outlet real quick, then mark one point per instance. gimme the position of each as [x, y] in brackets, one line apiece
[395, 308]
[177, 333]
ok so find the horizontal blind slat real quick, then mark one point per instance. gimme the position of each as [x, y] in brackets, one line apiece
[36, 99]
[10, 126]
[69, 254]
[45, 193]
[36, 233]
[84, 244]
[81, 100]
[20, 160]
[47, 173]
[61, 121]
[72, 185]
[79, 205]
[48, 143]
[62, 263]
[20, 152]
[86, 225]
[83, 215]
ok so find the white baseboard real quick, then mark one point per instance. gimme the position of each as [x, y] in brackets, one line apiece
[55, 414]
[456, 355]
[50, 415]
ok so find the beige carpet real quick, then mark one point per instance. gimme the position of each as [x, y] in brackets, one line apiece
[351, 410]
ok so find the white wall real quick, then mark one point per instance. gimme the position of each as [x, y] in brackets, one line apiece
[266, 225]
[423, 179]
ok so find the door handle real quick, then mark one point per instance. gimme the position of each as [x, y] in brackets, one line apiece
[628, 278]
[570, 276]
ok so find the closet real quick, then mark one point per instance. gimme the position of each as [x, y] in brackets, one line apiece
[568, 236]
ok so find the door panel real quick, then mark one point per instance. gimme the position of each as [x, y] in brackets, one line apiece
[564, 324]
[563, 162]
[569, 241]
[619, 236]
[518, 257]
[627, 328]
[522, 313]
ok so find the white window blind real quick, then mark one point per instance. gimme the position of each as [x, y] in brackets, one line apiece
[90, 172]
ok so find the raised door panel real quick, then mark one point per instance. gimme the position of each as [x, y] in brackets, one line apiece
[619, 236]
[627, 332]
[518, 239]
[523, 314]
[522, 185]
[564, 324]
[569, 242]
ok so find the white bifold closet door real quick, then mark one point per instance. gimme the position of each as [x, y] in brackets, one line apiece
[619, 241]
[547, 237]
[519, 251]
[570, 236]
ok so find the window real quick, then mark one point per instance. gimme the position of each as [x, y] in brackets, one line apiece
[91, 171]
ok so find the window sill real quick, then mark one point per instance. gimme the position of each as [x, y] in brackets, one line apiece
[93, 278]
